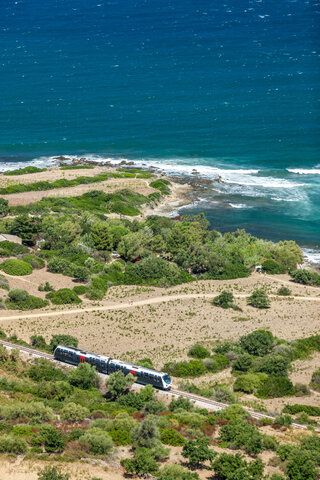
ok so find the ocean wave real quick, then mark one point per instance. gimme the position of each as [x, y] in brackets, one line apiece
[311, 255]
[304, 171]
[238, 205]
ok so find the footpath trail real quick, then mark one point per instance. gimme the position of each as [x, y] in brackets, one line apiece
[140, 303]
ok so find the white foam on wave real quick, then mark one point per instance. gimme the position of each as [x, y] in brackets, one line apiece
[238, 205]
[311, 255]
[304, 171]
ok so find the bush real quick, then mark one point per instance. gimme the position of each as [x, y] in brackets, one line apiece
[284, 291]
[169, 436]
[315, 380]
[16, 267]
[283, 420]
[306, 277]
[80, 289]
[38, 341]
[247, 383]
[4, 207]
[259, 299]
[216, 363]
[46, 287]
[224, 300]
[142, 463]
[301, 466]
[180, 403]
[58, 390]
[52, 438]
[275, 387]
[193, 368]
[63, 339]
[12, 444]
[21, 300]
[274, 365]
[25, 170]
[100, 443]
[52, 473]
[72, 411]
[118, 383]
[84, 377]
[176, 472]
[64, 296]
[239, 434]
[198, 351]
[11, 249]
[4, 282]
[243, 363]
[257, 343]
[272, 267]
[197, 451]
[35, 262]
[32, 411]
[154, 407]
[44, 370]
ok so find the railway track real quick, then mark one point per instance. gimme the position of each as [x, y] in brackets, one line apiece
[202, 401]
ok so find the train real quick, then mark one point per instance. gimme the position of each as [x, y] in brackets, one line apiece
[108, 365]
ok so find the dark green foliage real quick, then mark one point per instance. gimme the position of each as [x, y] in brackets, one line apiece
[197, 451]
[259, 299]
[257, 343]
[243, 363]
[301, 466]
[216, 363]
[270, 266]
[63, 339]
[38, 341]
[283, 420]
[224, 300]
[64, 296]
[52, 438]
[198, 351]
[16, 267]
[274, 365]
[26, 228]
[11, 249]
[297, 408]
[284, 291]
[239, 434]
[137, 400]
[146, 434]
[143, 462]
[154, 407]
[306, 277]
[235, 467]
[21, 300]
[80, 289]
[25, 170]
[84, 376]
[274, 387]
[180, 403]
[145, 362]
[193, 368]
[57, 390]
[315, 380]
[43, 370]
[169, 436]
[4, 207]
[46, 287]
[155, 271]
[52, 473]
[118, 383]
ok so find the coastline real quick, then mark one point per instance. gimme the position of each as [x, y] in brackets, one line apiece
[187, 190]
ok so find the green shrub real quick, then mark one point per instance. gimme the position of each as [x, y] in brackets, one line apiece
[16, 267]
[72, 411]
[12, 444]
[169, 436]
[274, 387]
[259, 299]
[52, 473]
[198, 351]
[247, 383]
[161, 185]
[33, 411]
[35, 262]
[63, 339]
[224, 300]
[11, 249]
[100, 442]
[46, 287]
[80, 289]
[284, 291]
[257, 343]
[4, 207]
[44, 370]
[197, 451]
[142, 463]
[193, 368]
[216, 363]
[239, 434]
[52, 438]
[21, 300]
[154, 407]
[77, 167]
[301, 466]
[4, 282]
[306, 277]
[274, 365]
[243, 363]
[57, 390]
[64, 296]
[84, 376]
[283, 420]
[176, 472]
[180, 403]
[272, 267]
[315, 380]
[25, 170]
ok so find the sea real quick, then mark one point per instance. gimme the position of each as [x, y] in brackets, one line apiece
[228, 90]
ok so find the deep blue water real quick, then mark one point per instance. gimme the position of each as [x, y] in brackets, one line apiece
[225, 86]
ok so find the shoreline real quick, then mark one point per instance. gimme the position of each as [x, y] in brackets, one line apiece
[185, 189]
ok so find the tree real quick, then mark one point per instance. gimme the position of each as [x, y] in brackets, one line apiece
[84, 376]
[146, 434]
[38, 341]
[63, 339]
[197, 451]
[226, 464]
[259, 299]
[73, 411]
[26, 228]
[143, 462]
[224, 300]
[118, 383]
[274, 365]
[4, 207]
[284, 291]
[257, 343]
[52, 473]
[100, 443]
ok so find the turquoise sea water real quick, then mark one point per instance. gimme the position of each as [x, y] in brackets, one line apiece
[230, 88]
